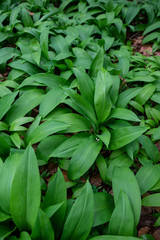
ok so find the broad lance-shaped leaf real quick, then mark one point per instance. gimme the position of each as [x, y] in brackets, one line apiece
[84, 157]
[147, 176]
[124, 135]
[59, 44]
[102, 166]
[51, 100]
[81, 105]
[85, 83]
[47, 145]
[76, 122]
[152, 27]
[45, 129]
[45, 79]
[6, 178]
[43, 228]
[6, 102]
[145, 93]
[82, 58]
[105, 136]
[67, 148]
[152, 200]
[126, 96]
[80, 218]
[97, 63]
[56, 194]
[44, 43]
[111, 237]
[26, 18]
[25, 191]
[7, 53]
[22, 107]
[150, 148]
[122, 219]
[131, 13]
[124, 180]
[122, 113]
[103, 208]
[102, 100]
[50, 211]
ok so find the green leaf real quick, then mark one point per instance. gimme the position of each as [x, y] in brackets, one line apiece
[6, 102]
[151, 200]
[25, 191]
[137, 106]
[152, 27]
[76, 122]
[124, 135]
[82, 211]
[102, 100]
[132, 12]
[16, 140]
[156, 134]
[145, 93]
[24, 66]
[115, 89]
[83, 59]
[4, 216]
[44, 130]
[14, 15]
[126, 96]
[122, 160]
[3, 126]
[156, 97]
[157, 224]
[50, 211]
[150, 148]
[84, 157]
[102, 167]
[7, 53]
[24, 236]
[109, 237]
[4, 90]
[44, 43]
[22, 107]
[97, 64]
[150, 37]
[5, 231]
[55, 194]
[6, 178]
[122, 219]
[45, 79]
[5, 35]
[85, 83]
[147, 176]
[51, 100]
[43, 228]
[67, 148]
[48, 145]
[103, 208]
[123, 113]
[105, 136]
[60, 44]
[132, 149]
[4, 146]
[82, 106]
[26, 18]
[124, 180]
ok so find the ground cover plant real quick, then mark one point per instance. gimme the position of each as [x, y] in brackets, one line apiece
[77, 104]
